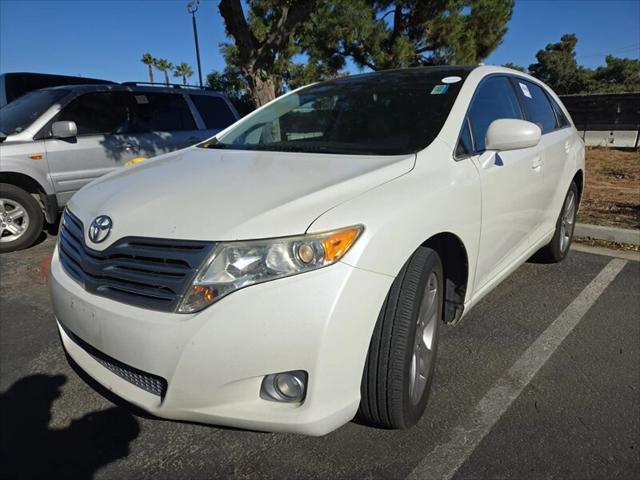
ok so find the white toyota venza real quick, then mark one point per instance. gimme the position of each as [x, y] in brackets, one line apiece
[293, 271]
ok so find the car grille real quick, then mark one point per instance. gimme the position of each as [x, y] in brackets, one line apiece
[145, 272]
[146, 381]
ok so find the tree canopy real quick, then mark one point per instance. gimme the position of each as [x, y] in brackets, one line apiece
[372, 34]
[557, 67]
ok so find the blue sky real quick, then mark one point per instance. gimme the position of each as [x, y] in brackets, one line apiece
[106, 39]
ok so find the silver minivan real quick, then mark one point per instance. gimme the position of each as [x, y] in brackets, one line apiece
[56, 140]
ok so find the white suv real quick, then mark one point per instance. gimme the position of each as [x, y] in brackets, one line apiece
[293, 271]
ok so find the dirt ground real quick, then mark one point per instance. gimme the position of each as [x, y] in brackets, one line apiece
[612, 191]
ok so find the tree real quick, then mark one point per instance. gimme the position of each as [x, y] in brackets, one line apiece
[235, 87]
[403, 33]
[265, 42]
[164, 66]
[558, 68]
[513, 66]
[183, 70]
[617, 76]
[149, 61]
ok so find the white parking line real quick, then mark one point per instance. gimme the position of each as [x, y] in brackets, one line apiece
[444, 460]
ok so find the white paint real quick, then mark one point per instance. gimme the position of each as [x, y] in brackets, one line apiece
[445, 459]
[451, 79]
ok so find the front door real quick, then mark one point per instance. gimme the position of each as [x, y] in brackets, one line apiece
[512, 183]
[101, 144]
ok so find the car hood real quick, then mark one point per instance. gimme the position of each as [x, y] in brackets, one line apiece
[209, 194]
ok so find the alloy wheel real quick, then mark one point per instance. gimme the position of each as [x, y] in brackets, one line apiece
[424, 340]
[14, 220]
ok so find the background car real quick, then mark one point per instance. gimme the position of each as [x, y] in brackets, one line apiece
[56, 140]
[16, 84]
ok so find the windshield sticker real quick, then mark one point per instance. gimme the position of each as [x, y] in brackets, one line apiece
[451, 79]
[439, 89]
[525, 90]
[141, 99]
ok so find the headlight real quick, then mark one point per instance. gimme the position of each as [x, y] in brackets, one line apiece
[236, 265]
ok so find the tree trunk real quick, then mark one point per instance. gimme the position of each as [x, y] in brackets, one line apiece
[262, 90]
[150, 73]
[166, 77]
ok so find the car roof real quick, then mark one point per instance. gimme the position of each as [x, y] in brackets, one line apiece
[135, 88]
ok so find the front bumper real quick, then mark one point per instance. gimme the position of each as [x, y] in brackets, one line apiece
[214, 361]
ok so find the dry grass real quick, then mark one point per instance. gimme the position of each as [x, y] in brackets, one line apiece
[612, 191]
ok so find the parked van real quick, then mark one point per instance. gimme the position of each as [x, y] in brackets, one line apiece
[16, 84]
[56, 140]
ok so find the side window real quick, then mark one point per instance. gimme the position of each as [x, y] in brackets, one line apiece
[99, 113]
[561, 119]
[214, 111]
[160, 112]
[494, 99]
[465, 143]
[536, 105]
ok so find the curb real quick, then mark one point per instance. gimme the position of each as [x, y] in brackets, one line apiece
[611, 234]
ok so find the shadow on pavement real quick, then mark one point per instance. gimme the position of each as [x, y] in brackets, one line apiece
[30, 449]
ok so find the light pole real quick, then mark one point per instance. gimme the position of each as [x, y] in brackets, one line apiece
[192, 8]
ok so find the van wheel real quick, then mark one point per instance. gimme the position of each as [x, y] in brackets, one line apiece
[400, 364]
[21, 218]
[558, 248]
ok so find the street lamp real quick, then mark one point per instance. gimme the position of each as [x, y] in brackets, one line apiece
[192, 8]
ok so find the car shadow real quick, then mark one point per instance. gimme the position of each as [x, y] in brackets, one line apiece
[29, 449]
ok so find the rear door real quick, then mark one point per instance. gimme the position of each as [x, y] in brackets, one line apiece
[511, 181]
[556, 142]
[101, 144]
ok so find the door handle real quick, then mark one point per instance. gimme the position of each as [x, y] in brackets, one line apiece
[537, 162]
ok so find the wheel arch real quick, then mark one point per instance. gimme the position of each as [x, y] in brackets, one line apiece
[455, 264]
[47, 199]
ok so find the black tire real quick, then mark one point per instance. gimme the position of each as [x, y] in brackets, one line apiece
[385, 390]
[558, 249]
[35, 219]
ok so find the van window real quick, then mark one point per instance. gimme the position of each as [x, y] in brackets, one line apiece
[214, 111]
[160, 112]
[97, 113]
[536, 105]
[494, 99]
[19, 114]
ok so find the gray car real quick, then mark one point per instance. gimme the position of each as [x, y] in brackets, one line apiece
[56, 140]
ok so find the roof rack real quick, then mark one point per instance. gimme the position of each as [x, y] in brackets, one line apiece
[167, 85]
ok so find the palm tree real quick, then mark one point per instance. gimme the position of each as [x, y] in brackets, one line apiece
[183, 70]
[164, 66]
[149, 61]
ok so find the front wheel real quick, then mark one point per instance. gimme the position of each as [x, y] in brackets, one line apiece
[400, 364]
[558, 248]
[21, 218]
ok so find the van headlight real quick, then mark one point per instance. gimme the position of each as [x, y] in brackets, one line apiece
[235, 265]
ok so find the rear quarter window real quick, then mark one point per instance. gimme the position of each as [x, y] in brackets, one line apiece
[214, 111]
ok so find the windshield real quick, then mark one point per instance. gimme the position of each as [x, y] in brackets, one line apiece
[22, 112]
[388, 113]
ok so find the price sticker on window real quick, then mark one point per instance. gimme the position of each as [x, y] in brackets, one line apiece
[525, 90]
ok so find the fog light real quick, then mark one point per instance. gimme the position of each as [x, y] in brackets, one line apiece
[285, 386]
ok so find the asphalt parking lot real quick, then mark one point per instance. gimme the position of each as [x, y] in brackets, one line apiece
[541, 380]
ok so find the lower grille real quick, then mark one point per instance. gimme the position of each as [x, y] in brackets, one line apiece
[146, 381]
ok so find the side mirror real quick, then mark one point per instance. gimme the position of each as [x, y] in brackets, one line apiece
[64, 129]
[512, 134]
